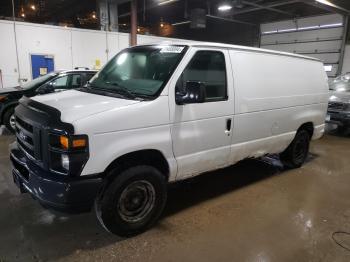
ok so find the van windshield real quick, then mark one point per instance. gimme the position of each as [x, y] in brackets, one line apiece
[138, 71]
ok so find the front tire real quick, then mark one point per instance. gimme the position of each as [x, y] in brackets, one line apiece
[133, 201]
[9, 119]
[296, 153]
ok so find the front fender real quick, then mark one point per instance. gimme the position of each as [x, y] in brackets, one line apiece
[107, 147]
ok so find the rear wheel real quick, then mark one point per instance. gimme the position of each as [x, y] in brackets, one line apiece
[133, 202]
[9, 119]
[296, 153]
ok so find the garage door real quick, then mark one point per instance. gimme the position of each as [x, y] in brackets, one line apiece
[320, 37]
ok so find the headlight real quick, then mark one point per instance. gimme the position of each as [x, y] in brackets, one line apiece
[68, 153]
[65, 161]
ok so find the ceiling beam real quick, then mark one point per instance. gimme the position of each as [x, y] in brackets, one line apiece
[330, 7]
[267, 7]
[261, 7]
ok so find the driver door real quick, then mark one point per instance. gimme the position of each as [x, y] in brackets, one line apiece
[201, 133]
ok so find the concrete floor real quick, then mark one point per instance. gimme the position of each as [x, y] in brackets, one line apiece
[253, 211]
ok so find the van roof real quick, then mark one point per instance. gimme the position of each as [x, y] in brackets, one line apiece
[233, 47]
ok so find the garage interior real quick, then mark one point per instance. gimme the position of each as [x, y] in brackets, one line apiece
[252, 211]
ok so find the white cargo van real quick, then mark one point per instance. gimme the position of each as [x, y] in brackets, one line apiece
[156, 114]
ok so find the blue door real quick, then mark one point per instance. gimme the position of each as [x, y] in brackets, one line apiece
[41, 65]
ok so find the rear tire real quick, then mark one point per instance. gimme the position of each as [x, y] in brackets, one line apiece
[133, 201]
[9, 119]
[296, 153]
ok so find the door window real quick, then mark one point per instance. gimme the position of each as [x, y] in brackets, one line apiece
[76, 81]
[209, 68]
[60, 83]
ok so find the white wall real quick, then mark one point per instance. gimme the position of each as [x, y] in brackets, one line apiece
[71, 47]
[8, 63]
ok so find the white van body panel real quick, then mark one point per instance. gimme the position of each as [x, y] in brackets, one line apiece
[198, 130]
[270, 95]
[122, 130]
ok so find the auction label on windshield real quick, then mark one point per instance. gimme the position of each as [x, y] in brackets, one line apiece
[172, 49]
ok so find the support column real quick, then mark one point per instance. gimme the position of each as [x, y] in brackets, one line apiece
[133, 32]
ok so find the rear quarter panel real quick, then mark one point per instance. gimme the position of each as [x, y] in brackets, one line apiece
[274, 96]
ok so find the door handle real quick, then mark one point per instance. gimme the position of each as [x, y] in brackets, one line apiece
[228, 126]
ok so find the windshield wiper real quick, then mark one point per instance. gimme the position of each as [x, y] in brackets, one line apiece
[126, 92]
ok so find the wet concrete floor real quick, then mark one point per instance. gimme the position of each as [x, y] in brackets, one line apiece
[253, 211]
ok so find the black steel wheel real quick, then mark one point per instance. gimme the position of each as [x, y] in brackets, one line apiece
[296, 153]
[9, 120]
[133, 201]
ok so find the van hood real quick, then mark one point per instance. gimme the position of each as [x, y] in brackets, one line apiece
[75, 105]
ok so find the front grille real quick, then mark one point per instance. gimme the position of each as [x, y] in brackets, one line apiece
[26, 137]
[337, 106]
[21, 169]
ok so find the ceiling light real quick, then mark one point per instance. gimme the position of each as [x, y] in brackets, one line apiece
[225, 7]
[32, 7]
[166, 2]
[326, 2]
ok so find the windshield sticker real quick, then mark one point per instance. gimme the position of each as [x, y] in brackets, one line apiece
[172, 49]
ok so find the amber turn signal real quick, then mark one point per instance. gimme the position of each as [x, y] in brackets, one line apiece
[79, 143]
[64, 141]
[76, 142]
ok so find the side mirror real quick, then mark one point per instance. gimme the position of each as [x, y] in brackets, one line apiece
[46, 88]
[193, 93]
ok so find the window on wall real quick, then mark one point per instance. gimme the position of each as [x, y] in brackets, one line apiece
[209, 68]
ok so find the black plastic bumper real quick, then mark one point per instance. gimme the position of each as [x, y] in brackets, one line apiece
[62, 193]
[339, 118]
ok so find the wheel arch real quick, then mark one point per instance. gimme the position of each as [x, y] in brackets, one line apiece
[309, 127]
[152, 157]
[6, 108]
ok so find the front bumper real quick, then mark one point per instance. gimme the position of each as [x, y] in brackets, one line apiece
[59, 192]
[338, 118]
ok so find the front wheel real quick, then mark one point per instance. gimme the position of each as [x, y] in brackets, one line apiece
[9, 120]
[133, 202]
[296, 153]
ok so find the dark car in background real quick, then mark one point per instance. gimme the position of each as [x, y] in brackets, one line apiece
[339, 103]
[52, 82]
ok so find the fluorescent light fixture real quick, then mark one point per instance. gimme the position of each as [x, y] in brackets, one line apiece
[166, 2]
[328, 68]
[225, 7]
[303, 28]
[181, 23]
[308, 27]
[331, 25]
[326, 2]
[287, 30]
